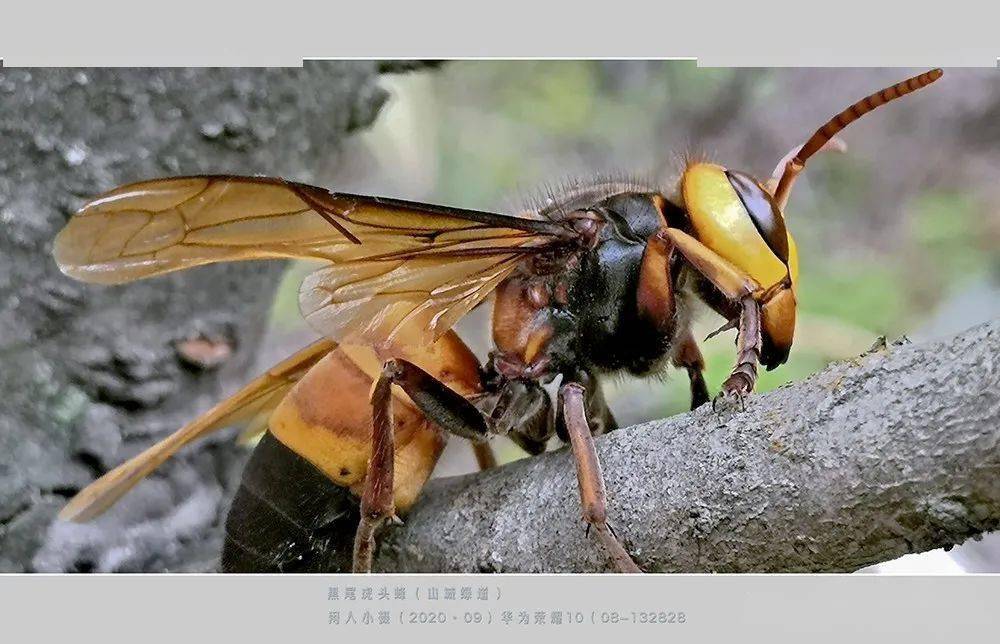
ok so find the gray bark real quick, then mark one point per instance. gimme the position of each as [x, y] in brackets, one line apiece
[90, 375]
[897, 451]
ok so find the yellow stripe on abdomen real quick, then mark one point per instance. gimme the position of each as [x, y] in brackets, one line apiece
[327, 419]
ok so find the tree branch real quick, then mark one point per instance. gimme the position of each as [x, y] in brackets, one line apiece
[894, 452]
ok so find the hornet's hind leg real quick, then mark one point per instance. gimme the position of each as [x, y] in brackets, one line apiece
[377, 502]
[381, 449]
[447, 408]
[485, 458]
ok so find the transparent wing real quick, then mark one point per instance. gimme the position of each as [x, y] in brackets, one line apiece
[254, 401]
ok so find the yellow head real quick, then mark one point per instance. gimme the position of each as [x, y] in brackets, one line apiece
[734, 215]
[742, 220]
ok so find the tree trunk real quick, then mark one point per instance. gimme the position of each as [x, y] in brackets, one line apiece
[91, 375]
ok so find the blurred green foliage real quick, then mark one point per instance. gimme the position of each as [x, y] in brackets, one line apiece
[950, 227]
[863, 292]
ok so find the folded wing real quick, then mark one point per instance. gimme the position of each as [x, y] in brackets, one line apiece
[394, 269]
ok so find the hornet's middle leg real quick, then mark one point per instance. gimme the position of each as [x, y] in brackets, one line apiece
[589, 476]
[658, 305]
[688, 356]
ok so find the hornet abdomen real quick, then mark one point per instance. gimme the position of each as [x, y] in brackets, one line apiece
[297, 505]
[288, 517]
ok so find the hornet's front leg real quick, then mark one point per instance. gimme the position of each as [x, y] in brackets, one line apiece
[589, 476]
[738, 287]
[743, 377]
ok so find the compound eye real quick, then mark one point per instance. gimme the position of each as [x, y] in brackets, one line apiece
[763, 212]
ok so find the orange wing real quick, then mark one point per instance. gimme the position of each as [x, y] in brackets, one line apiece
[396, 269]
[254, 401]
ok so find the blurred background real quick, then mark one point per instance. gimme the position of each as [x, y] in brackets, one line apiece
[897, 236]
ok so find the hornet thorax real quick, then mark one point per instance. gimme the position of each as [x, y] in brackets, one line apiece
[580, 312]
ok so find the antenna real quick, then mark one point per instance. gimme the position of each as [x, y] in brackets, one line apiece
[829, 130]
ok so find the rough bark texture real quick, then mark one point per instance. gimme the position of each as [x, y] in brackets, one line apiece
[894, 452]
[91, 375]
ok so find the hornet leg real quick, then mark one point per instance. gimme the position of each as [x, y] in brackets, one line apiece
[446, 407]
[441, 404]
[688, 356]
[738, 287]
[377, 498]
[748, 345]
[657, 304]
[590, 478]
[451, 411]
[484, 455]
